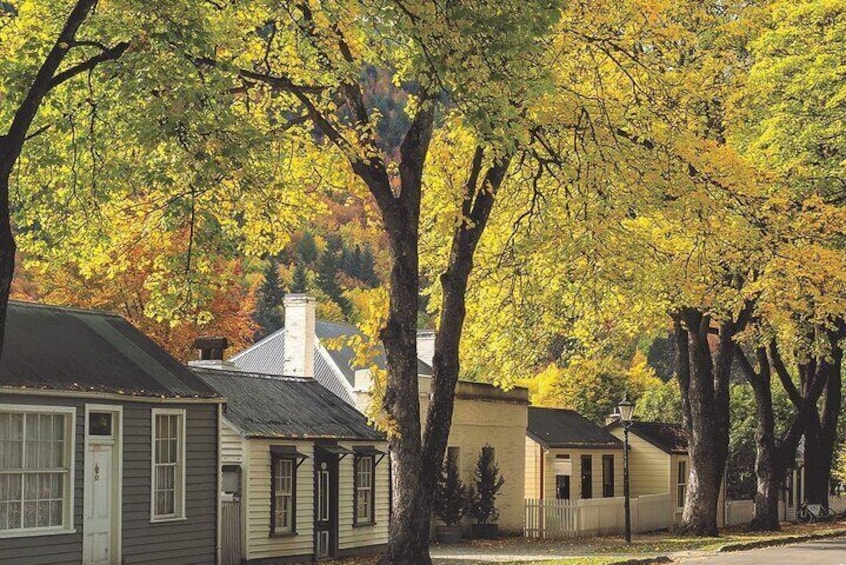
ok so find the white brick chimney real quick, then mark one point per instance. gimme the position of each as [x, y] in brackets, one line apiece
[426, 346]
[299, 335]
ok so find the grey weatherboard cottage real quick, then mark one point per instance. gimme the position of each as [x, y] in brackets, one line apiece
[108, 445]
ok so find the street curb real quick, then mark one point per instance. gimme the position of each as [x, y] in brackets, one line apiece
[743, 546]
[644, 560]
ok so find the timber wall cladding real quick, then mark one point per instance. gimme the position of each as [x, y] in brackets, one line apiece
[188, 541]
[184, 542]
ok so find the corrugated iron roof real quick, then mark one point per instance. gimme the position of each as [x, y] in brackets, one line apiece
[286, 407]
[68, 349]
[267, 357]
[559, 427]
[670, 438]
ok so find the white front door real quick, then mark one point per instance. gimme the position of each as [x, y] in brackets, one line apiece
[99, 546]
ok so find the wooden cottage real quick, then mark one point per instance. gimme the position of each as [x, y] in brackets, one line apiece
[108, 445]
[304, 476]
[659, 463]
[484, 416]
[569, 457]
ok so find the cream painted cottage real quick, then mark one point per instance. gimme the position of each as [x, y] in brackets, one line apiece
[570, 458]
[304, 477]
[484, 415]
[659, 463]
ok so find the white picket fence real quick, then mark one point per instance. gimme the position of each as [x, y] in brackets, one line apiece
[606, 516]
[594, 517]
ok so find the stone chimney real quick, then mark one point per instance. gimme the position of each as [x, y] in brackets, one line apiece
[426, 346]
[612, 418]
[210, 353]
[299, 335]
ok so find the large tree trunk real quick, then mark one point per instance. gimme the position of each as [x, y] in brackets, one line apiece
[773, 457]
[409, 526]
[818, 376]
[413, 475]
[7, 247]
[769, 469]
[704, 384]
[821, 433]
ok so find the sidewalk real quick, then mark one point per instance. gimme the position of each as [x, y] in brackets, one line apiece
[609, 550]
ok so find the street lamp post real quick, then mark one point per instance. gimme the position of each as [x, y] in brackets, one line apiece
[626, 409]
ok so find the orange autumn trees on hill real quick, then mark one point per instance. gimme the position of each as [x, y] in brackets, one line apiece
[222, 304]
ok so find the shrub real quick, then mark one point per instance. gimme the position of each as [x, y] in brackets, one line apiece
[488, 484]
[451, 496]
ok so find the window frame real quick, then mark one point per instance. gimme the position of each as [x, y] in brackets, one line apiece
[608, 466]
[357, 521]
[277, 457]
[586, 486]
[69, 479]
[179, 475]
[681, 486]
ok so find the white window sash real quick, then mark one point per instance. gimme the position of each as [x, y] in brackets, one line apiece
[178, 467]
[66, 472]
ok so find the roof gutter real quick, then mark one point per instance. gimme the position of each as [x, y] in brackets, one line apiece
[109, 396]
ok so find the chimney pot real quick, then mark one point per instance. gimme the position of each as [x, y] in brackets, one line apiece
[211, 347]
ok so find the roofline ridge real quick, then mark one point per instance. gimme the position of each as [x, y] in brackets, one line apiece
[63, 308]
[250, 374]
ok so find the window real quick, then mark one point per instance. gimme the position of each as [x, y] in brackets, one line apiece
[562, 487]
[283, 471]
[587, 476]
[682, 484]
[608, 476]
[36, 447]
[168, 496]
[364, 466]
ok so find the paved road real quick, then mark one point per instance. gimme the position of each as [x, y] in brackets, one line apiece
[822, 552]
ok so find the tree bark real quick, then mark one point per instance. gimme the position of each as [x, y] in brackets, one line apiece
[704, 384]
[821, 433]
[413, 475]
[12, 142]
[769, 468]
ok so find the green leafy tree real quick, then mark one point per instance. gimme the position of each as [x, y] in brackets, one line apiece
[40, 53]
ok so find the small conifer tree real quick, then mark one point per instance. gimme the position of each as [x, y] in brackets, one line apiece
[451, 496]
[488, 484]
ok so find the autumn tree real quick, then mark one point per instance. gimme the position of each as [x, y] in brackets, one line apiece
[475, 66]
[48, 54]
[789, 126]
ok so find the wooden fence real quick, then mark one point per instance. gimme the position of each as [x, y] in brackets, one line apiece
[593, 517]
[606, 516]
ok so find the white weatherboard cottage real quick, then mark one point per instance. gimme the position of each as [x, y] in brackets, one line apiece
[304, 476]
[484, 415]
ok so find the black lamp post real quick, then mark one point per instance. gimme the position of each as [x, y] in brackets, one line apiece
[626, 410]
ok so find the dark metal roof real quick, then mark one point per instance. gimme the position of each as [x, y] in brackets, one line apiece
[267, 356]
[670, 438]
[66, 349]
[286, 407]
[559, 427]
